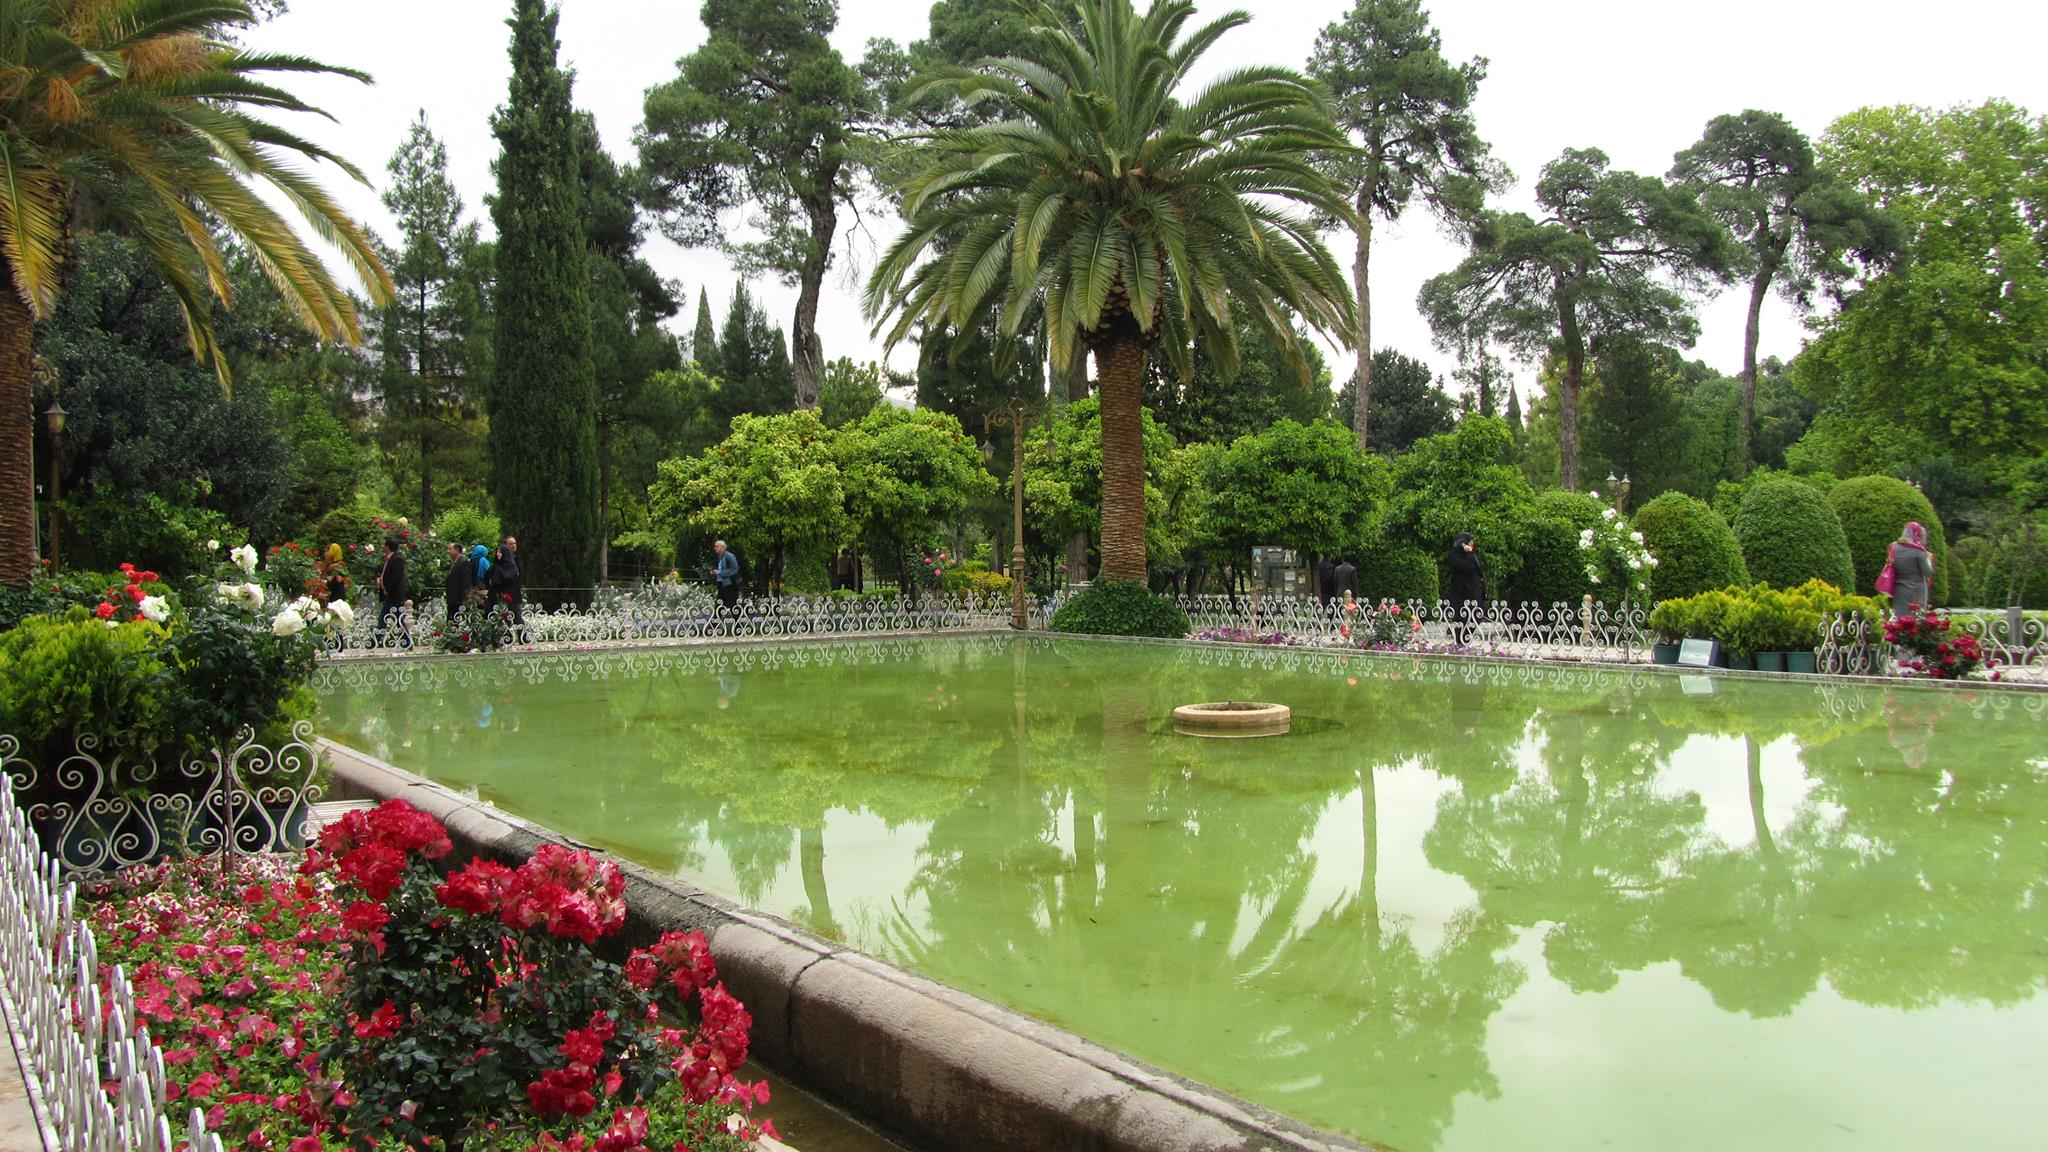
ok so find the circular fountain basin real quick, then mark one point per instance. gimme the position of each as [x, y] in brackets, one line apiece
[1232, 718]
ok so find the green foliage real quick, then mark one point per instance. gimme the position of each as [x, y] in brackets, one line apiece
[1309, 487]
[851, 391]
[543, 398]
[1408, 403]
[68, 677]
[1790, 535]
[1613, 254]
[1760, 618]
[224, 670]
[466, 526]
[907, 473]
[148, 530]
[1634, 426]
[752, 371]
[477, 627]
[1695, 547]
[1063, 476]
[1553, 568]
[1121, 608]
[1873, 511]
[773, 489]
[1463, 482]
[1267, 387]
[1397, 573]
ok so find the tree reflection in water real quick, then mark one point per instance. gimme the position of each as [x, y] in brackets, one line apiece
[1019, 820]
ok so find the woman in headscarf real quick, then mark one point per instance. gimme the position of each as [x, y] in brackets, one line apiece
[1468, 585]
[1912, 569]
[480, 566]
[336, 570]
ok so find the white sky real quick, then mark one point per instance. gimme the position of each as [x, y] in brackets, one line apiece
[1637, 79]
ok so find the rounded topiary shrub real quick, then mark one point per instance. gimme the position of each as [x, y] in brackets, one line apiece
[1121, 608]
[1397, 574]
[1873, 510]
[1790, 535]
[1695, 547]
[1553, 567]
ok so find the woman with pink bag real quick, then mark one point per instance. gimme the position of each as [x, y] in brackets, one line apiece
[1908, 570]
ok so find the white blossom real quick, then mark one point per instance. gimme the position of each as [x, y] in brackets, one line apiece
[248, 596]
[340, 610]
[244, 558]
[154, 609]
[1634, 564]
[288, 623]
[213, 545]
[1636, 536]
[1586, 539]
[1608, 513]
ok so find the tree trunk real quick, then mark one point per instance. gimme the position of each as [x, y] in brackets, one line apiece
[1077, 377]
[426, 483]
[1361, 395]
[1568, 399]
[811, 862]
[1744, 428]
[806, 352]
[17, 435]
[1120, 373]
[604, 509]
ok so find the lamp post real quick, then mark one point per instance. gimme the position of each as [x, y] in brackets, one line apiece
[53, 423]
[1014, 416]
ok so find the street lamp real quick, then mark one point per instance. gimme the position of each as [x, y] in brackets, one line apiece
[1015, 416]
[53, 423]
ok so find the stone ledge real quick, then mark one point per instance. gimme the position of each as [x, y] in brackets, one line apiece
[923, 1062]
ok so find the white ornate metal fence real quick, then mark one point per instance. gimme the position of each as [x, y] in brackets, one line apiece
[1853, 644]
[1562, 631]
[96, 1081]
[690, 614]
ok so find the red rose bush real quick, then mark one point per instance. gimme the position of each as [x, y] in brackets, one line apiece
[371, 1002]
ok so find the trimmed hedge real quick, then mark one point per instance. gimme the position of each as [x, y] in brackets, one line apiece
[1398, 574]
[1121, 608]
[1873, 510]
[1553, 566]
[1695, 547]
[1790, 535]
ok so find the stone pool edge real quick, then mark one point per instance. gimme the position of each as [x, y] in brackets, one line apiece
[918, 1060]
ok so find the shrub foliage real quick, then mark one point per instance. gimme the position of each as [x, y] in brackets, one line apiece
[1873, 510]
[1790, 535]
[1121, 608]
[1695, 547]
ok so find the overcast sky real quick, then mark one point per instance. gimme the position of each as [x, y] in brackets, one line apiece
[1639, 80]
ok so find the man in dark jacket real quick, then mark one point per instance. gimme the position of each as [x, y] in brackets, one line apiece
[461, 578]
[1326, 582]
[391, 591]
[1346, 575]
[506, 587]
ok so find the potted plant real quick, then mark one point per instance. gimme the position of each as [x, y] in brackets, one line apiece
[1770, 624]
[1738, 633]
[1670, 620]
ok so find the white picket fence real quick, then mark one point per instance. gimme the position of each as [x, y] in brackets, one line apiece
[96, 1081]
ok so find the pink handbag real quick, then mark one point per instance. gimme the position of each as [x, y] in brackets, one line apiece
[1887, 579]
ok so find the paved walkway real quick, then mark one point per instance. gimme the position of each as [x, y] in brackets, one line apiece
[18, 1129]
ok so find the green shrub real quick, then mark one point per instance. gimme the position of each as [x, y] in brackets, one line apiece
[1121, 608]
[151, 532]
[1695, 548]
[1790, 535]
[1553, 569]
[71, 676]
[1397, 574]
[1873, 510]
[466, 526]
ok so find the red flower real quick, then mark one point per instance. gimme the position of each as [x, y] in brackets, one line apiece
[306, 1144]
[476, 889]
[642, 970]
[563, 1091]
[585, 1046]
[375, 868]
[383, 1022]
[628, 1132]
[105, 611]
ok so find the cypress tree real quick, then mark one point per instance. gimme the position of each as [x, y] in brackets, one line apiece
[704, 342]
[543, 394]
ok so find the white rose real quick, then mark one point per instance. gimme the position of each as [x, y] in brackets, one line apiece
[340, 610]
[1634, 563]
[1636, 536]
[251, 596]
[244, 557]
[1586, 538]
[1651, 561]
[305, 607]
[1594, 495]
[213, 545]
[287, 623]
[154, 609]
[1608, 513]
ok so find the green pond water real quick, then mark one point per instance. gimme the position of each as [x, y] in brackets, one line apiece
[1460, 907]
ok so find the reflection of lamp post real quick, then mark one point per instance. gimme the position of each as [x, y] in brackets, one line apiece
[53, 423]
[1013, 417]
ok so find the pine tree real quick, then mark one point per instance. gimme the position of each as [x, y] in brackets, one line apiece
[543, 398]
[704, 342]
[432, 361]
[753, 369]
[1514, 408]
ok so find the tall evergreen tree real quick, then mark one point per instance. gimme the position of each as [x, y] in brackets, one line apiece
[1514, 415]
[1409, 111]
[432, 363]
[543, 395]
[704, 341]
[1408, 403]
[752, 368]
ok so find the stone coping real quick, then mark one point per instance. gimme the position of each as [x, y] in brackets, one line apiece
[915, 1059]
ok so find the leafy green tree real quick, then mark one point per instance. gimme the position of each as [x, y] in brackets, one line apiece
[1796, 223]
[1213, 406]
[1408, 111]
[1696, 550]
[1063, 475]
[908, 473]
[134, 116]
[1790, 534]
[1614, 253]
[1117, 207]
[968, 373]
[851, 391]
[762, 116]
[773, 489]
[432, 340]
[1947, 354]
[1636, 416]
[1310, 487]
[1873, 510]
[1408, 403]
[1463, 481]
[543, 401]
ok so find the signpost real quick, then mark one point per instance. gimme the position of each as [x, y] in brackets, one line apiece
[1698, 653]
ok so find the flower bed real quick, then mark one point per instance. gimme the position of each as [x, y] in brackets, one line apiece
[361, 999]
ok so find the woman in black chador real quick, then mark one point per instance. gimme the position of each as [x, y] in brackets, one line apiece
[1468, 586]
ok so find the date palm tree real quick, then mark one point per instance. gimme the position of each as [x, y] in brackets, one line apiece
[1133, 211]
[137, 116]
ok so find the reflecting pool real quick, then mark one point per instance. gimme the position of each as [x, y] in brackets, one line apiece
[1460, 906]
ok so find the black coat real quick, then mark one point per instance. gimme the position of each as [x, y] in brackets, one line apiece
[461, 578]
[1346, 576]
[391, 582]
[505, 574]
[1468, 578]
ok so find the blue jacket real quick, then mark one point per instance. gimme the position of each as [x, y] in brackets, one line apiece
[728, 568]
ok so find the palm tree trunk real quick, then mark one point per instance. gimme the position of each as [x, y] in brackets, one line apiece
[17, 436]
[1361, 394]
[1120, 373]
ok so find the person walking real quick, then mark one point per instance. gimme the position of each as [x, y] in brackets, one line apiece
[1326, 583]
[1346, 576]
[1468, 586]
[725, 573]
[335, 570]
[391, 593]
[506, 587]
[461, 578]
[1912, 569]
